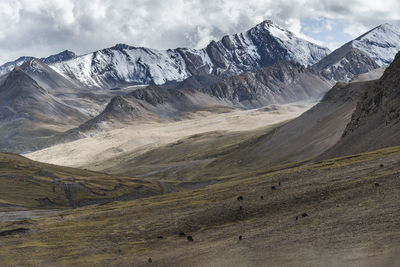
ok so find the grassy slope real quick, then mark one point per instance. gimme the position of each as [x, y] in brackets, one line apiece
[351, 221]
[31, 184]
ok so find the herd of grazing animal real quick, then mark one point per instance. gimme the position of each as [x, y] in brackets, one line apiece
[240, 198]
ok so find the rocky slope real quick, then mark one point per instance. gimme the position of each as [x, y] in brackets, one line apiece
[258, 47]
[305, 137]
[37, 102]
[367, 52]
[376, 121]
[345, 63]
[283, 82]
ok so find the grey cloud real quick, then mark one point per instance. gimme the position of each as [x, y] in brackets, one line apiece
[43, 27]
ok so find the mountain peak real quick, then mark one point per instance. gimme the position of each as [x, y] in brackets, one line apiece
[32, 65]
[18, 78]
[120, 46]
[381, 43]
[62, 56]
[386, 26]
[275, 30]
[267, 22]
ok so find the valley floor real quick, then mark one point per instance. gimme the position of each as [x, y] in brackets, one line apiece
[143, 136]
[339, 212]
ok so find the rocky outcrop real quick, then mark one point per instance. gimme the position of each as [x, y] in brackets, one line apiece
[376, 121]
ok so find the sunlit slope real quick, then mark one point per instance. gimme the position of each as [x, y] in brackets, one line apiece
[30, 184]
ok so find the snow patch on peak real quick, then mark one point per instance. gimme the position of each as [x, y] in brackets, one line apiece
[381, 43]
[9, 66]
[279, 33]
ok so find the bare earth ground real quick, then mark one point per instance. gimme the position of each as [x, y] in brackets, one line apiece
[351, 221]
[142, 136]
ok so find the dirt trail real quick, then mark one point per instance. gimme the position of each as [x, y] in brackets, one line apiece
[21, 215]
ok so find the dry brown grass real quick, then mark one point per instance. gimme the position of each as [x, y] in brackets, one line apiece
[350, 222]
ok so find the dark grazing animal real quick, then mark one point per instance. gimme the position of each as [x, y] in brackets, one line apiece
[239, 198]
[190, 238]
[304, 215]
[273, 187]
[181, 233]
[150, 260]
[240, 237]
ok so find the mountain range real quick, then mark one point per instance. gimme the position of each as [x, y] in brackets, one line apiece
[122, 64]
[264, 65]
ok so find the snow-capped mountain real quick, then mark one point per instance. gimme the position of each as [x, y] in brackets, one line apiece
[64, 55]
[381, 43]
[258, 47]
[345, 63]
[371, 50]
[9, 66]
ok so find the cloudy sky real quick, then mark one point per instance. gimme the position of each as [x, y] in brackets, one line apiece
[43, 27]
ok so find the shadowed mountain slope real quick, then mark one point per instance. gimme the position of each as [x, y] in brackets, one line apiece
[36, 102]
[345, 63]
[371, 50]
[376, 121]
[283, 82]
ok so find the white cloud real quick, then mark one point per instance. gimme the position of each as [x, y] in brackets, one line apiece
[355, 29]
[43, 27]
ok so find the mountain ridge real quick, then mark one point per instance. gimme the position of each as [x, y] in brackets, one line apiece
[123, 65]
[248, 90]
[62, 56]
[371, 50]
